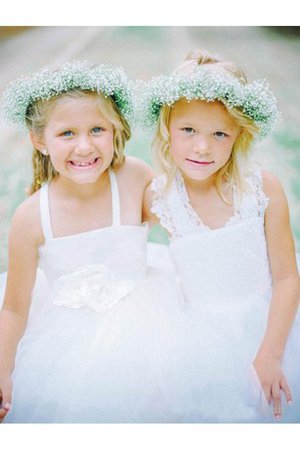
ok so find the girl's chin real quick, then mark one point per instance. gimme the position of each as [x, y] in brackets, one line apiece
[197, 175]
[84, 178]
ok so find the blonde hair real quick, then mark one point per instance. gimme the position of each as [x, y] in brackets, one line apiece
[38, 115]
[238, 166]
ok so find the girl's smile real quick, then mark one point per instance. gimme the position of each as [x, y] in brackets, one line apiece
[84, 165]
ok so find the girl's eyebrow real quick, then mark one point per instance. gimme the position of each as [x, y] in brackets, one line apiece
[64, 126]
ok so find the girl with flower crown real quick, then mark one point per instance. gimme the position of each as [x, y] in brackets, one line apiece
[230, 240]
[98, 341]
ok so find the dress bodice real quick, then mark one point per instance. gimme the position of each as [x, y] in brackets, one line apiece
[216, 266]
[109, 259]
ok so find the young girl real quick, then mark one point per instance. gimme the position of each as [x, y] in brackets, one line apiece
[98, 344]
[230, 239]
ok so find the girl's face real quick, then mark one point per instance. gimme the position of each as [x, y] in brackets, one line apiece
[202, 135]
[79, 140]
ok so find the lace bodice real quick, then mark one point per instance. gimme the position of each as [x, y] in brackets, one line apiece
[95, 268]
[178, 217]
[221, 265]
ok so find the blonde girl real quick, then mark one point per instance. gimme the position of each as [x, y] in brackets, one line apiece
[85, 345]
[230, 239]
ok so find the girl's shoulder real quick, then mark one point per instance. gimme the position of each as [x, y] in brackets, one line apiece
[136, 170]
[26, 219]
[262, 182]
[278, 208]
[267, 190]
[272, 187]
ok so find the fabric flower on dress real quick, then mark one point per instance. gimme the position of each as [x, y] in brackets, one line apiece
[92, 286]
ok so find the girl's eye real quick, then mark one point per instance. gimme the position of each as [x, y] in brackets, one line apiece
[97, 130]
[220, 135]
[67, 133]
[189, 130]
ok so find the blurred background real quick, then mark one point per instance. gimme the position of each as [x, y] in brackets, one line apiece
[263, 52]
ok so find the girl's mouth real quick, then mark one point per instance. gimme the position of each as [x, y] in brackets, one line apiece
[82, 165]
[199, 163]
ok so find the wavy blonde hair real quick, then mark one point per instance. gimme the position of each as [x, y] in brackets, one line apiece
[38, 115]
[238, 166]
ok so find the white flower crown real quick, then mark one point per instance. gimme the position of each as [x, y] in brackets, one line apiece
[255, 100]
[47, 83]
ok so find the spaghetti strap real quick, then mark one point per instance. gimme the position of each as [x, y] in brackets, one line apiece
[115, 197]
[45, 212]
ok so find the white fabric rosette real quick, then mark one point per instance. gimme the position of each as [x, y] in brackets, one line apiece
[92, 286]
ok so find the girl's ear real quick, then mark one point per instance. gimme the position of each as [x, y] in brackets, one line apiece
[37, 141]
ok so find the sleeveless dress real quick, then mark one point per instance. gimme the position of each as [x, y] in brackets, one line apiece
[226, 280]
[103, 330]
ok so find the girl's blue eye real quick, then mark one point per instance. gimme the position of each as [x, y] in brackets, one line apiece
[97, 130]
[67, 133]
[220, 134]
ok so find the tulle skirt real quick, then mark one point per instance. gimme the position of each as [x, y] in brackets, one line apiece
[117, 366]
[150, 358]
[221, 384]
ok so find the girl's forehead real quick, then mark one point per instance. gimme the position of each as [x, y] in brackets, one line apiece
[78, 107]
[200, 109]
[66, 101]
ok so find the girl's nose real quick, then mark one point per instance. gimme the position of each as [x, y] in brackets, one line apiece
[201, 146]
[83, 145]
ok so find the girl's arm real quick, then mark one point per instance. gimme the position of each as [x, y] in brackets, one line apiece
[148, 215]
[136, 175]
[285, 295]
[23, 256]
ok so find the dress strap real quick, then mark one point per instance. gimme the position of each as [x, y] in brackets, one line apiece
[262, 199]
[115, 197]
[254, 202]
[45, 212]
[169, 206]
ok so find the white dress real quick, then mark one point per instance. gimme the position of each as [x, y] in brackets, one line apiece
[103, 331]
[226, 280]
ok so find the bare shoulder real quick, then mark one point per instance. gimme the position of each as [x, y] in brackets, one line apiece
[277, 211]
[26, 219]
[27, 210]
[272, 187]
[137, 169]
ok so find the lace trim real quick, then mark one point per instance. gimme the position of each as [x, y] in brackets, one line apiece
[160, 206]
[195, 219]
[251, 205]
[262, 199]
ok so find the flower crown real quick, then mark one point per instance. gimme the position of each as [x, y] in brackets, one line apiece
[47, 83]
[255, 100]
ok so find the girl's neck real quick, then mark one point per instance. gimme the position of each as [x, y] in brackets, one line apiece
[68, 188]
[200, 186]
[208, 189]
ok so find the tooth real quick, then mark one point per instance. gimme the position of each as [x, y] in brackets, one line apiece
[84, 164]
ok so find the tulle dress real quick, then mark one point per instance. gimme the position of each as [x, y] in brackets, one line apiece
[103, 333]
[225, 276]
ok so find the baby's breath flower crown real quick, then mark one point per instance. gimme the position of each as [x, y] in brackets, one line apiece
[47, 83]
[255, 100]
